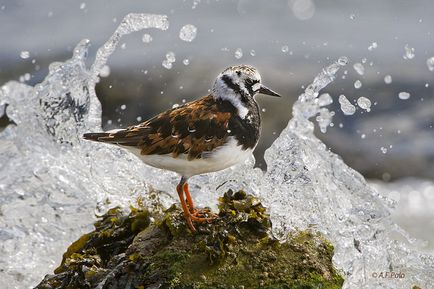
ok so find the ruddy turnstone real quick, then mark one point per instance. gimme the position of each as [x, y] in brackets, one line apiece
[209, 134]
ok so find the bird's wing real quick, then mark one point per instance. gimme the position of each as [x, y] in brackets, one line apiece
[191, 129]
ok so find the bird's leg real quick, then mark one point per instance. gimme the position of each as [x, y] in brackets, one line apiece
[187, 215]
[188, 197]
[196, 214]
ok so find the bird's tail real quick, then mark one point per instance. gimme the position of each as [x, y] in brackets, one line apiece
[95, 136]
[110, 136]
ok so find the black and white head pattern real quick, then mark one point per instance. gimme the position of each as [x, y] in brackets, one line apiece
[238, 84]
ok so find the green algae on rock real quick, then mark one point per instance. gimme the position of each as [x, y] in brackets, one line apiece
[236, 250]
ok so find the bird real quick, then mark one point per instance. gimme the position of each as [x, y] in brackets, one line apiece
[206, 135]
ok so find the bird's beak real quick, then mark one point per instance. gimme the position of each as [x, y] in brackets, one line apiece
[265, 90]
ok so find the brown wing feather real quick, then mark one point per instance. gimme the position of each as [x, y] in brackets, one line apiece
[192, 129]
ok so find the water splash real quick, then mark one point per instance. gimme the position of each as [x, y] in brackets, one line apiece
[308, 105]
[308, 186]
[52, 180]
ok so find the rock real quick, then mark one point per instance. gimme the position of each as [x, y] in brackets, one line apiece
[236, 250]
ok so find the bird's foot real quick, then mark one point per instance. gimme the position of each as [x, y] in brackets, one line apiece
[202, 215]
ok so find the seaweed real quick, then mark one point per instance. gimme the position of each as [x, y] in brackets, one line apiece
[236, 250]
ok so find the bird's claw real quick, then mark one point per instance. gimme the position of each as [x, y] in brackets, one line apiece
[202, 215]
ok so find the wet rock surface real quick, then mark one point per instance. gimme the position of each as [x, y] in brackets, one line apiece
[156, 250]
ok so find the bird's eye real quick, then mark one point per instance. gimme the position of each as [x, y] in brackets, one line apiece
[249, 82]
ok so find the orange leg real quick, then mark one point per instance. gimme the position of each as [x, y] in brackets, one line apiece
[190, 213]
[188, 197]
[195, 214]
[187, 214]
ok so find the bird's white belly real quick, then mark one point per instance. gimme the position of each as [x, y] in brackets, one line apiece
[221, 158]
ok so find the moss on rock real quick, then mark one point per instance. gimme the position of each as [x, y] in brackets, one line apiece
[234, 251]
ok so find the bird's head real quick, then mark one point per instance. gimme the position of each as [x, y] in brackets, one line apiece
[239, 84]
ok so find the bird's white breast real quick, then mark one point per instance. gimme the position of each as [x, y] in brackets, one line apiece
[221, 158]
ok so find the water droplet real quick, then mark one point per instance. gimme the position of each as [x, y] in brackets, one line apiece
[285, 48]
[27, 76]
[372, 46]
[24, 54]
[167, 64]
[324, 119]
[82, 6]
[264, 110]
[324, 99]
[302, 9]
[363, 136]
[383, 150]
[105, 71]
[388, 79]
[357, 84]
[139, 118]
[188, 33]
[170, 56]
[353, 16]
[123, 46]
[346, 106]
[123, 107]
[364, 103]
[238, 53]
[186, 61]
[409, 52]
[430, 63]
[146, 38]
[252, 52]
[404, 95]
[195, 3]
[343, 60]
[175, 105]
[359, 68]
